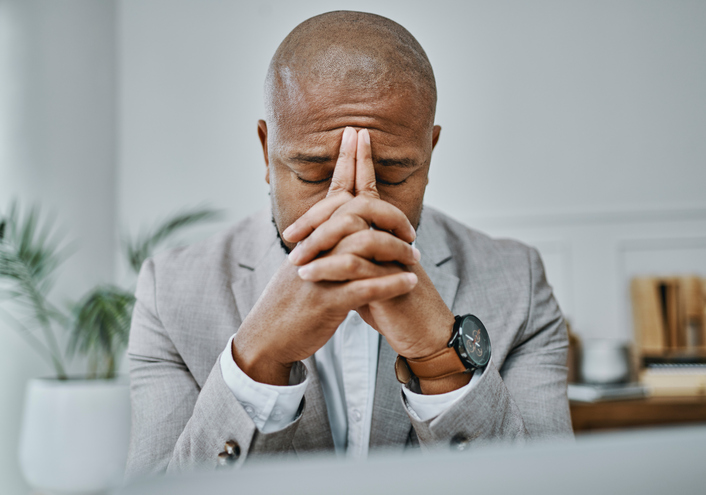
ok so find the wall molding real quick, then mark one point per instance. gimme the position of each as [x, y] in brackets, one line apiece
[524, 219]
[661, 243]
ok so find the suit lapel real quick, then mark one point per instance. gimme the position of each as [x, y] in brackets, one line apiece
[437, 257]
[390, 423]
[248, 289]
[314, 431]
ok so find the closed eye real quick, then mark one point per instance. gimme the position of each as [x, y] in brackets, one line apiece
[380, 181]
[326, 179]
[386, 183]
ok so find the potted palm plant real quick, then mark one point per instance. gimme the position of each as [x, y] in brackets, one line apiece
[75, 430]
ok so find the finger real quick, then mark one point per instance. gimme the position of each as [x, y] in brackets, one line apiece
[378, 246]
[315, 216]
[365, 181]
[361, 292]
[326, 236]
[381, 215]
[344, 267]
[340, 191]
[357, 214]
[343, 179]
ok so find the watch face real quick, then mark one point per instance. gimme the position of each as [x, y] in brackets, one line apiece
[475, 341]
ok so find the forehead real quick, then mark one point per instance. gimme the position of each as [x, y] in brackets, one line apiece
[314, 115]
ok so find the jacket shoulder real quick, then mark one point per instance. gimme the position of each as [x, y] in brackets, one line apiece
[473, 249]
[219, 257]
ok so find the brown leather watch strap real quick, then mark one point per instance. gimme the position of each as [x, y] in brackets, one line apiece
[441, 364]
[447, 384]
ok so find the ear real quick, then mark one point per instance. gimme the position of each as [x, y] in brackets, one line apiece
[262, 134]
[435, 133]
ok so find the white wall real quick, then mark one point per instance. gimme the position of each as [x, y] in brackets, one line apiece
[57, 148]
[575, 126]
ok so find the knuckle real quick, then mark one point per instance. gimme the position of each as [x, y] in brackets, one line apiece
[350, 263]
[369, 185]
[367, 291]
[350, 222]
[367, 239]
[336, 185]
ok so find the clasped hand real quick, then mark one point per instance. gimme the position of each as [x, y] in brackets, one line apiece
[354, 253]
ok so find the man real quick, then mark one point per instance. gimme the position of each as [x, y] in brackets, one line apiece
[315, 299]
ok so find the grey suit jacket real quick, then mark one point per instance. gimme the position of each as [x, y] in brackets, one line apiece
[191, 300]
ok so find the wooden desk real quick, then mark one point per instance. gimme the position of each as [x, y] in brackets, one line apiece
[655, 411]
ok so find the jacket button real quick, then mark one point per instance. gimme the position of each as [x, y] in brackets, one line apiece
[230, 453]
[460, 442]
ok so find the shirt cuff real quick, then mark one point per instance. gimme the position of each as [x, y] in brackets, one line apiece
[271, 407]
[425, 407]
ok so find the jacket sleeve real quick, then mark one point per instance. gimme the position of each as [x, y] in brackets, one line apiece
[526, 397]
[176, 425]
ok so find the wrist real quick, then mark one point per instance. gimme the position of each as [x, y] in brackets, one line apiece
[439, 334]
[438, 373]
[259, 366]
[451, 367]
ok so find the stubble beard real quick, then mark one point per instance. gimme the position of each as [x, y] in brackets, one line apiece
[279, 237]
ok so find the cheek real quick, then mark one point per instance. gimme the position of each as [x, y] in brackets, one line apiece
[290, 197]
[408, 197]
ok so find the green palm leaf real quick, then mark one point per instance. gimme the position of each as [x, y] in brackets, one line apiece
[101, 327]
[142, 248]
[29, 256]
[31, 252]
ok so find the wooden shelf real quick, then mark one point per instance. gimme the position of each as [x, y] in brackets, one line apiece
[655, 411]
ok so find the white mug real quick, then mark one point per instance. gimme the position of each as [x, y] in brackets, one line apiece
[605, 361]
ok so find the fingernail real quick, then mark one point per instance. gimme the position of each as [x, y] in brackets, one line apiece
[304, 272]
[294, 256]
[417, 254]
[348, 134]
[366, 136]
[288, 231]
[412, 278]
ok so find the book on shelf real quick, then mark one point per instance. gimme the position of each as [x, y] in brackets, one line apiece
[668, 313]
[669, 316]
[676, 379]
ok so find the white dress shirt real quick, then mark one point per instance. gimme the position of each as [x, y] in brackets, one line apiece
[347, 368]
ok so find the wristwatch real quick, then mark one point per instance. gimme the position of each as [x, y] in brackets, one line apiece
[468, 349]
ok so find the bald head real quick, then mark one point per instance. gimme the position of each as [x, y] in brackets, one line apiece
[348, 52]
[339, 70]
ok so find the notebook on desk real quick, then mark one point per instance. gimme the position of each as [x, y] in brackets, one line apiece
[581, 392]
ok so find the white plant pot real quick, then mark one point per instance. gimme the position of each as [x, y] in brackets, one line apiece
[75, 434]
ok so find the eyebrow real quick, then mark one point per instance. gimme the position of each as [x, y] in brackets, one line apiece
[396, 162]
[384, 162]
[311, 158]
